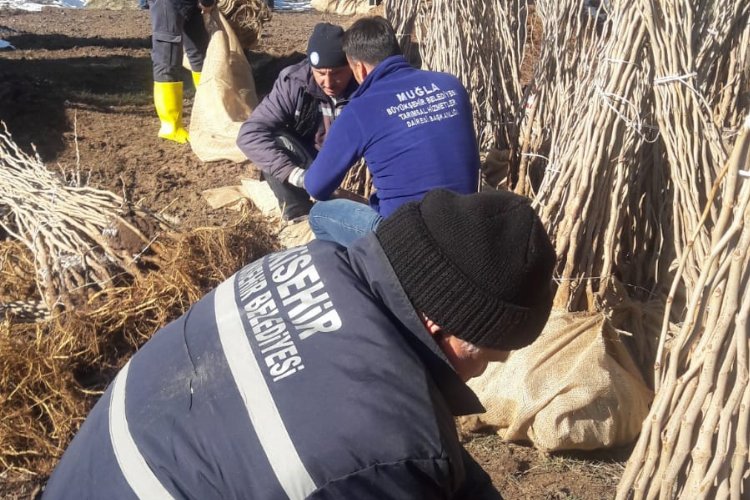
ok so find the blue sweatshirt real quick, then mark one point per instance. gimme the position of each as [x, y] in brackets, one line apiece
[414, 129]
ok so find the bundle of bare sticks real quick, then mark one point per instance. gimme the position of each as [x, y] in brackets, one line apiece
[694, 443]
[590, 142]
[482, 43]
[247, 18]
[83, 239]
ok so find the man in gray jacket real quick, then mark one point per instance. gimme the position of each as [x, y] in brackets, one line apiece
[286, 130]
[323, 372]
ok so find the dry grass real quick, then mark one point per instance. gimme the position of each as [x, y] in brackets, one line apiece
[51, 372]
[521, 472]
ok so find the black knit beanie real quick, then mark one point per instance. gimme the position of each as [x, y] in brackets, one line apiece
[479, 265]
[324, 49]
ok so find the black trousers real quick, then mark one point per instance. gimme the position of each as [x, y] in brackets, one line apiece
[293, 201]
[170, 33]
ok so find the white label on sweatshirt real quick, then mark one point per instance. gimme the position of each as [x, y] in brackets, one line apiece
[423, 104]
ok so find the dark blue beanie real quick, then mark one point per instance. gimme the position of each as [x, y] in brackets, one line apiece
[324, 49]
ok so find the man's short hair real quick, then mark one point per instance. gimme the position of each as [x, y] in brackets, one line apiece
[371, 40]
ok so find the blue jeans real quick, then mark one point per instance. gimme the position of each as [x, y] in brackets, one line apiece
[342, 221]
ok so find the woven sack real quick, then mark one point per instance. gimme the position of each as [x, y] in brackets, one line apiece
[575, 388]
[225, 96]
[341, 7]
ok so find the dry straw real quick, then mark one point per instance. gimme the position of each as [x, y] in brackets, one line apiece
[51, 372]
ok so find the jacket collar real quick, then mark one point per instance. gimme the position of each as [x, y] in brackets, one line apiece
[370, 262]
[386, 67]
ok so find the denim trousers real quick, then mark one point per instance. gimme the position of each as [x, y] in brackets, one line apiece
[342, 221]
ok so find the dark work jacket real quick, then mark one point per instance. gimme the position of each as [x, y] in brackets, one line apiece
[305, 375]
[414, 129]
[294, 106]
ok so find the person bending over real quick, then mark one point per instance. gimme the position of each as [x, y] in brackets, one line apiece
[286, 130]
[323, 372]
[414, 129]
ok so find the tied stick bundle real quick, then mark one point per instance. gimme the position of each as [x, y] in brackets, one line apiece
[697, 53]
[82, 239]
[481, 42]
[694, 444]
[402, 15]
[593, 149]
[82, 247]
[246, 17]
[570, 49]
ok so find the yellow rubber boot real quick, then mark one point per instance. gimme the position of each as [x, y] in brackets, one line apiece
[196, 78]
[168, 102]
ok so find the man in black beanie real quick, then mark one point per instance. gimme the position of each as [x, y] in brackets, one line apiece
[326, 372]
[285, 132]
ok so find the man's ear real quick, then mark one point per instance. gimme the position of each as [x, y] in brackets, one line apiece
[359, 70]
[363, 71]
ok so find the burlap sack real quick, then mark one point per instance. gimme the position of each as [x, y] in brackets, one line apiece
[342, 7]
[575, 388]
[224, 98]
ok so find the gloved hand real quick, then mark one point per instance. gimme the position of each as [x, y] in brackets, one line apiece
[297, 177]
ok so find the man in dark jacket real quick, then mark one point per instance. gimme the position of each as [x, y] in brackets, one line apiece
[414, 129]
[175, 24]
[286, 130]
[321, 372]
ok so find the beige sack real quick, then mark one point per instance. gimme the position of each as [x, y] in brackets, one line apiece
[575, 388]
[341, 7]
[224, 98]
[250, 190]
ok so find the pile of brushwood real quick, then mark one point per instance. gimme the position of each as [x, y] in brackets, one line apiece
[85, 279]
[629, 139]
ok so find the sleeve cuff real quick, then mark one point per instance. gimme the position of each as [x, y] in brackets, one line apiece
[297, 177]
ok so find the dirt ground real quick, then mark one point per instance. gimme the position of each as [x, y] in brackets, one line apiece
[78, 87]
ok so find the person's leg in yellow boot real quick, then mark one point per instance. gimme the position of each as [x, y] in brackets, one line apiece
[168, 103]
[174, 25]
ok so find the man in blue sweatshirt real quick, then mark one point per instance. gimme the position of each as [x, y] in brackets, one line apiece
[414, 129]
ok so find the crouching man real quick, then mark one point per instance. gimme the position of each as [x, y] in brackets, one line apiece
[322, 372]
[286, 130]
